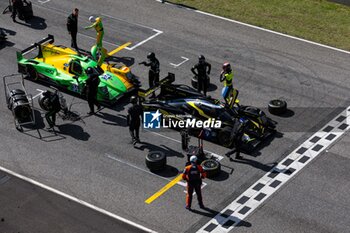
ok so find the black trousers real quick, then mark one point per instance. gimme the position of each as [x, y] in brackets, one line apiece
[51, 117]
[202, 84]
[198, 190]
[153, 78]
[134, 131]
[74, 40]
[91, 98]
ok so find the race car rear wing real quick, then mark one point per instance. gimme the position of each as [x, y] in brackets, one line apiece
[167, 80]
[48, 40]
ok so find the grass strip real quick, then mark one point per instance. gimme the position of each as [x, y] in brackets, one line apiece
[316, 20]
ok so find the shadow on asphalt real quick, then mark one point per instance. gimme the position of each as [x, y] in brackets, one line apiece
[287, 114]
[128, 61]
[223, 175]
[166, 150]
[205, 212]
[110, 119]
[35, 22]
[256, 164]
[5, 44]
[169, 171]
[74, 131]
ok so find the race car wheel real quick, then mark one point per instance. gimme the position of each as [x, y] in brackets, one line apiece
[44, 102]
[277, 106]
[224, 137]
[156, 160]
[31, 73]
[194, 81]
[211, 167]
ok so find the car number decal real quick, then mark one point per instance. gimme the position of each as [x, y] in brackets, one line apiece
[75, 88]
[106, 76]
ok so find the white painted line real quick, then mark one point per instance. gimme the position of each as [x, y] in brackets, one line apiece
[177, 65]
[79, 201]
[263, 29]
[273, 180]
[37, 95]
[43, 1]
[158, 32]
[148, 172]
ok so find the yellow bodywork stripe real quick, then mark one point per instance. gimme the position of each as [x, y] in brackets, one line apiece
[119, 48]
[164, 189]
[200, 111]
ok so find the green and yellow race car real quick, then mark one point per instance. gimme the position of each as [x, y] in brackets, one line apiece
[64, 68]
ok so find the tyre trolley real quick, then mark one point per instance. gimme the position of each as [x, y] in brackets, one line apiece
[18, 101]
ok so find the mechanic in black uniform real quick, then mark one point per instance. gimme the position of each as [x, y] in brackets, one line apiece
[238, 139]
[134, 119]
[17, 7]
[92, 83]
[153, 73]
[72, 27]
[203, 70]
[54, 107]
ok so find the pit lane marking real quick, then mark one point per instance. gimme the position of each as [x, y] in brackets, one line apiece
[43, 1]
[177, 65]
[148, 172]
[157, 32]
[37, 95]
[273, 180]
[77, 200]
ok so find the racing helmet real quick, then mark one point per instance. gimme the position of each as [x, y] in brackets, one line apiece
[226, 66]
[89, 70]
[201, 58]
[193, 159]
[151, 56]
[133, 99]
[92, 19]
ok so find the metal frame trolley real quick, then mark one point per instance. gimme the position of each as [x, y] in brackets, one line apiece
[18, 101]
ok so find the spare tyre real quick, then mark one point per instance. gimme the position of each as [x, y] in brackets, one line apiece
[21, 110]
[44, 100]
[156, 160]
[211, 167]
[277, 106]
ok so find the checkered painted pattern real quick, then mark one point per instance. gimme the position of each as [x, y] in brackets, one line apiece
[254, 196]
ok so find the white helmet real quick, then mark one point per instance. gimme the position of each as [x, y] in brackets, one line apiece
[92, 19]
[193, 159]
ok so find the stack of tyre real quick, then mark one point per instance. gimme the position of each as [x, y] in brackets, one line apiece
[18, 103]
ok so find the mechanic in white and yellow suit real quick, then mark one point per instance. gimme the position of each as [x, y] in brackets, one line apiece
[97, 24]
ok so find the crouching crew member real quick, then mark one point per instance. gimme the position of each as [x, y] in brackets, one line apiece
[53, 106]
[134, 119]
[193, 174]
[238, 139]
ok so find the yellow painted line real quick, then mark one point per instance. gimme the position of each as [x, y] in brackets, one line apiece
[164, 189]
[119, 48]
